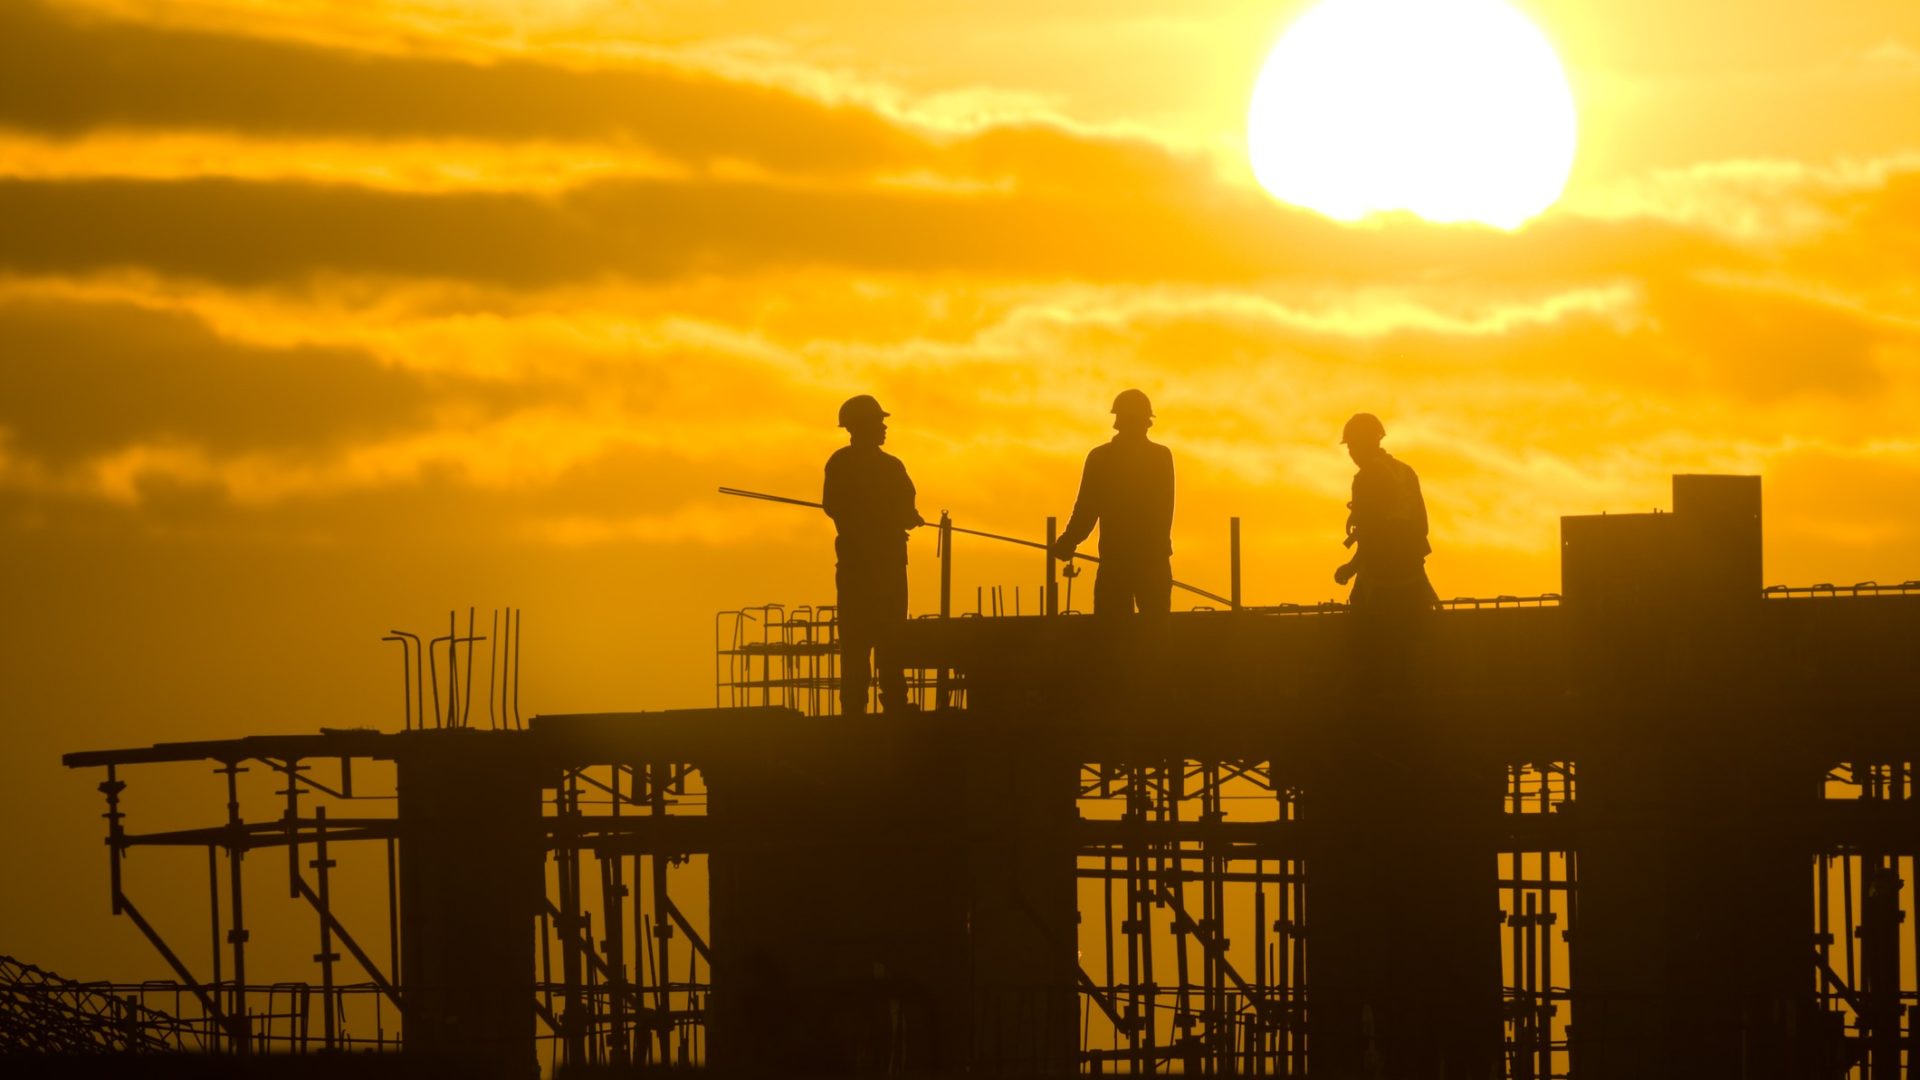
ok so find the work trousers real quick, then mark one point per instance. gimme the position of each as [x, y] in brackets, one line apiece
[1121, 585]
[873, 609]
[1390, 616]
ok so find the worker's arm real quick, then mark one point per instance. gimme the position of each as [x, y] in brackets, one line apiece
[1356, 517]
[910, 516]
[833, 491]
[1419, 514]
[1163, 508]
[1086, 511]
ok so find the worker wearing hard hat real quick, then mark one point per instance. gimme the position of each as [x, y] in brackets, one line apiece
[1386, 525]
[871, 501]
[1127, 488]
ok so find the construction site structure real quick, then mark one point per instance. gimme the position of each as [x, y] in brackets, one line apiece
[1660, 825]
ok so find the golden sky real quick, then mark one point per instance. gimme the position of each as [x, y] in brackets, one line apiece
[317, 320]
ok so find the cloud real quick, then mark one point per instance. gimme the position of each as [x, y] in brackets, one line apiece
[116, 75]
[80, 379]
[251, 233]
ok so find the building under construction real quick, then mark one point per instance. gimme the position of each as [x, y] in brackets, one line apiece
[1662, 824]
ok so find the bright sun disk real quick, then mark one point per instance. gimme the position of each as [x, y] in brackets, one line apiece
[1455, 110]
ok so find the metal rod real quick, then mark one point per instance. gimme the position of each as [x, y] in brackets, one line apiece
[946, 526]
[406, 678]
[466, 698]
[433, 665]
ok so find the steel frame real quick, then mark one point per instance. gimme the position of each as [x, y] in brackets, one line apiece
[1863, 888]
[1157, 838]
[1538, 871]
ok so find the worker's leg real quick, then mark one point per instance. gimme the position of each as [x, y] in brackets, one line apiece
[1153, 587]
[891, 599]
[856, 628]
[1112, 590]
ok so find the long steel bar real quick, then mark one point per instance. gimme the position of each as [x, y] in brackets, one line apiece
[947, 526]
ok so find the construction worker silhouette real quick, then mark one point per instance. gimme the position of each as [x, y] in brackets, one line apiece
[1386, 526]
[1127, 488]
[870, 499]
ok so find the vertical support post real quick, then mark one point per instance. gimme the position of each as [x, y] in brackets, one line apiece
[393, 915]
[574, 1020]
[111, 788]
[237, 937]
[946, 564]
[1257, 1058]
[613, 884]
[1053, 581]
[213, 908]
[613, 890]
[662, 928]
[1233, 561]
[943, 679]
[291, 821]
[322, 867]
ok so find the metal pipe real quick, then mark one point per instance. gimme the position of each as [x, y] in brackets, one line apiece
[946, 526]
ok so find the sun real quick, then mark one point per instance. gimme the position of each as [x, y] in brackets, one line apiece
[1455, 110]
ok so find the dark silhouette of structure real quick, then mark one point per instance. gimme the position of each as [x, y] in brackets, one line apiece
[1386, 525]
[1127, 489]
[871, 500]
[1663, 824]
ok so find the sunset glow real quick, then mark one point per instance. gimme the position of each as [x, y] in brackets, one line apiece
[1455, 110]
[321, 319]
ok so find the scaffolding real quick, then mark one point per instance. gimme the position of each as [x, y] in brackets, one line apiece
[1865, 933]
[634, 990]
[1189, 873]
[772, 656]
[1193, 900]
[1539, 909]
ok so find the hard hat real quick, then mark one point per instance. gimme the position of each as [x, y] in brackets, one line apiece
[864, 408]
[1364, 427]
[1132, 403]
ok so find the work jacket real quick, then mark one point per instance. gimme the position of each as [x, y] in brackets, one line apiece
[1127, 488]
[1388, 521]
[871, 500]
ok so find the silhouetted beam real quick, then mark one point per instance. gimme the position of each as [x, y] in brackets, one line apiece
[236, 1031]
[372, 744]
[261, 834]
[687, 835]
[1243, 835]
[353, 946]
